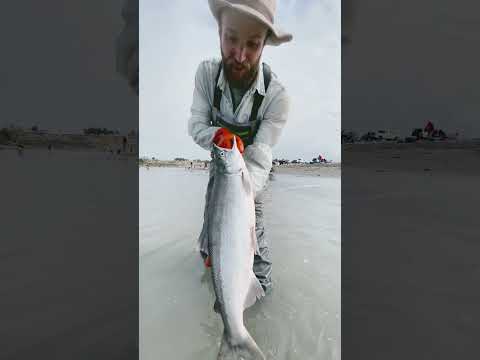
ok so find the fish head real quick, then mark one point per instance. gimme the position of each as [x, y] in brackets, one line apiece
[228, 161]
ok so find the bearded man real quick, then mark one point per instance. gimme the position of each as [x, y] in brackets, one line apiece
[240, 96]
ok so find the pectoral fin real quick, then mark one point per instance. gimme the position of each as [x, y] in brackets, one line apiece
[254, 292]
[253, 239]
[247, 184]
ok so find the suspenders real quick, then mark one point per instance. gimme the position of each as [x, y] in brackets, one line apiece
[246, 132]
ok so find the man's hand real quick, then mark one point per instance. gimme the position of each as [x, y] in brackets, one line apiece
[224, 138]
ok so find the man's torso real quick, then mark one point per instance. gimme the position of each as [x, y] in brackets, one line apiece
[236, 108]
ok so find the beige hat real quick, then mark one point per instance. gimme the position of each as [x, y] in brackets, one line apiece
[262, 10]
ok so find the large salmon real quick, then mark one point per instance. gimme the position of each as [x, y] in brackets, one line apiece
[231, 244]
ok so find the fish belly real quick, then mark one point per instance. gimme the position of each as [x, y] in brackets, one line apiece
[231, 249]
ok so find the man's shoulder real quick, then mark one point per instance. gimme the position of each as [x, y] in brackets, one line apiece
[276, 86]
[206, 72]
[209, 66]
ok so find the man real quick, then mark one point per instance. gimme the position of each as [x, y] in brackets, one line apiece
[240, 95]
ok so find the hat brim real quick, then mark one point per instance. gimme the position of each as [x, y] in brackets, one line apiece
[276, 37]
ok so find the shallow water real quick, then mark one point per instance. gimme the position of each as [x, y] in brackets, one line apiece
[299, 319]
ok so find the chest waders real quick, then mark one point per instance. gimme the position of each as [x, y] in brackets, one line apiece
[245, 132]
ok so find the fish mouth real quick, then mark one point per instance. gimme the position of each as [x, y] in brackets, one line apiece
[222, 148]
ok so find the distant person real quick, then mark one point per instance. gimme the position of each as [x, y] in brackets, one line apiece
[239, 95]
[191, 164]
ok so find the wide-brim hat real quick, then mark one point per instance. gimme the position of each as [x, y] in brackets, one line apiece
[261, 10]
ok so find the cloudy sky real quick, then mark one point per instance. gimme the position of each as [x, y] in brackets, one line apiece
[175, 36]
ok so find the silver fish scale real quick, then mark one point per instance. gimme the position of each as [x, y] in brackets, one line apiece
[230, 247]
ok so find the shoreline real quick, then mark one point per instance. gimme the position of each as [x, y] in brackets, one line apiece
[324, 170]
[290, 169]
[453, 158]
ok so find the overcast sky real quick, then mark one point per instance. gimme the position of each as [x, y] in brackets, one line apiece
[175, 36]
[398, 72]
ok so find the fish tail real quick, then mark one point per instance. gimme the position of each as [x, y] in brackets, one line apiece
[247, 348]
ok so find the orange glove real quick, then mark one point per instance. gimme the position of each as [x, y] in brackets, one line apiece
[224, 138]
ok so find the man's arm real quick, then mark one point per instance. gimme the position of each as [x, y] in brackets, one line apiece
[258, 156]
[199, 127]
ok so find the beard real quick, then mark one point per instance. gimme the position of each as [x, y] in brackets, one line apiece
[239, 76]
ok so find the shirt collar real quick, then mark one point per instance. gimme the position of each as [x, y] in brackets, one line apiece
[258, 83]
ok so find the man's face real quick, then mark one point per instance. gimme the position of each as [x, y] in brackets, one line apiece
[241, 40]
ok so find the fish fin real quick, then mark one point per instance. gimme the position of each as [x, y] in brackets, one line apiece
[247, 348]
[226, 351]
[216, 306]
[206, 276]
[254, 292]
[247, 183]
[253, 239]
[202, 241]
